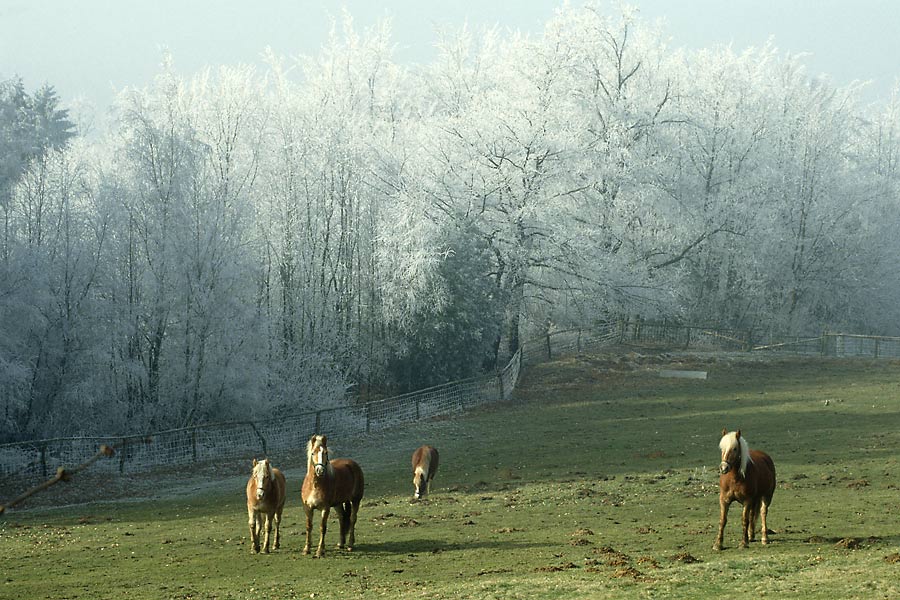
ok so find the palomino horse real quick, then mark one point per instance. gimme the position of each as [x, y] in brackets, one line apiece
[338, 483]
[424, 464]
[265, 496]
[748, 477]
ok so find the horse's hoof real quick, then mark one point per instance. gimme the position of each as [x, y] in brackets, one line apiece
[306, 551]
[717, 546]
[265, 550]
[349, 548]
[764, 542]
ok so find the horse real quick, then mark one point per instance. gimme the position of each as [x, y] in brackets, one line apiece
[425, 465]
[748, 477]
[334, 483]
[265, 496]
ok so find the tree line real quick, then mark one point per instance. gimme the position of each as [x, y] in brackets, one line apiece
[243, 243]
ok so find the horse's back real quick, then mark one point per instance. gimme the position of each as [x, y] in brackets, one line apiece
[349, 477]
[425, 454]
[434, 459]
[765, 467]
[281, 485]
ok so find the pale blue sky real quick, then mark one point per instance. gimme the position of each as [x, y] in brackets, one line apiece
[89, 48]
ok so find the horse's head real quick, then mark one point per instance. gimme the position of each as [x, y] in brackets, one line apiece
[317, 453]
[735, 452]
[262, 474]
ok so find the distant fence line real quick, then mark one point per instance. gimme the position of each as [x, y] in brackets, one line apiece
[240, 439]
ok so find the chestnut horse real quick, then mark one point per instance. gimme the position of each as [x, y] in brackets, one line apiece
[265, 496]
[748, 477]
[338, 483]
[424, 464]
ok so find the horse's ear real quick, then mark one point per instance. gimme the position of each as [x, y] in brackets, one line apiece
[724, 431]
[312, 438]
[254, 462]
[737, 434]
[324, 440]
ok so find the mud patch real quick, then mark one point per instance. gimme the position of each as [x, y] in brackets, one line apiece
[627, 572]
[556, 568]
[848, 543]
[685, 558]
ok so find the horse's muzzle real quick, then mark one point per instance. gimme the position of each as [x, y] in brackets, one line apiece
[320, 469]
[259, 494]
[724, 468]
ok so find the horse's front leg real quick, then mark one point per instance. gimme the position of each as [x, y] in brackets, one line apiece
[268, 532]
[254, 532]
[309, 517]
[723, 518]
[320, 552]
[746, 519]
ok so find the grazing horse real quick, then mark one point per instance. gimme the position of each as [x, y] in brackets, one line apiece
[338, 483]
[424, 464]
[748, 477]
[265, 496]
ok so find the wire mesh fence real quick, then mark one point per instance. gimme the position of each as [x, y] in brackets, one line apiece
[244, 439]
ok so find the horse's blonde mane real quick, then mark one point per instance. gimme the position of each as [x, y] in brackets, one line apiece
[729, 441]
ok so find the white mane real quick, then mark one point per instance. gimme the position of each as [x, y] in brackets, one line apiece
[729, 441]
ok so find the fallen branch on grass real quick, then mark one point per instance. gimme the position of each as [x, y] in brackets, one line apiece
[62, 474]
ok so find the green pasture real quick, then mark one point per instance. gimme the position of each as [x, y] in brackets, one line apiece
[598, 481]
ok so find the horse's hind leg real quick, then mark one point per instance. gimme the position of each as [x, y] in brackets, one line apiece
[754, 513]
[277, 529]
[745, 524]
[342, 522]
[268, 525]
[352, 510]
[763, 511]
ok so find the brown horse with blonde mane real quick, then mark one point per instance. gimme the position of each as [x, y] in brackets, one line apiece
[748, 477]
[424, 464]
[265, 497]
[328, 483]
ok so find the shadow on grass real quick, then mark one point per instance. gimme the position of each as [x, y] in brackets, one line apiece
[432, 546]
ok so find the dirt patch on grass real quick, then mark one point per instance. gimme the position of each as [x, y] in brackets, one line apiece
[893, 559]
[627, 572]
[556, 568]
[848, 543]
[685, 558]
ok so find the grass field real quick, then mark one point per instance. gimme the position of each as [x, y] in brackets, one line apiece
[593, 483]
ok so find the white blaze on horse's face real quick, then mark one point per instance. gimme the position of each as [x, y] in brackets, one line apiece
[320, 458]
[262, 471]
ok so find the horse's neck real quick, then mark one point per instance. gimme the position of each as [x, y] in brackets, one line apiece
[319, 481]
